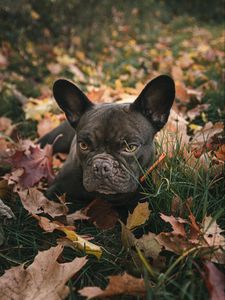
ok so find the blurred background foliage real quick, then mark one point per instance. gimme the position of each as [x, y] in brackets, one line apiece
[29, 19]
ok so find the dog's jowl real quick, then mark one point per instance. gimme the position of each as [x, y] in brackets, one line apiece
[109, 145]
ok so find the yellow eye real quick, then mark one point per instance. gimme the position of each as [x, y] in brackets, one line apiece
[83, 146]
[130, 148]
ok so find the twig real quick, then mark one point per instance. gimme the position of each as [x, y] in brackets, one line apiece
[162, 156]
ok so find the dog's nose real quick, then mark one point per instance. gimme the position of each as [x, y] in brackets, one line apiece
[102, 168]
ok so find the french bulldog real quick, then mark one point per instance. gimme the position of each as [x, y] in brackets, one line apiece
[109, 145]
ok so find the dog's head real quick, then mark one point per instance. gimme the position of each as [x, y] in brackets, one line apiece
[114, 142]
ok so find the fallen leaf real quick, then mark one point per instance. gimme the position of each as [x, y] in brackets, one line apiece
[215, 281]
[139, 216]
[196, 111]
[101, 214]
[48, 225]
[176, 223]
[46, 124]
[6, 126]
[77, 215]
[3, 61]
[149, 245]
[204, 135]
[181, 92]
[212, 233]
[220, 153]
[174, 135]
[95, 95]
[44, 278]
[54, 68]
[35, 203]
[5, 211]
[81, 243]
[35, 109]
[177, 73]
[118, 285]
[36, 163]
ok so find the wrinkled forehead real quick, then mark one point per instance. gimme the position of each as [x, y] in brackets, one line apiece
[114, 123]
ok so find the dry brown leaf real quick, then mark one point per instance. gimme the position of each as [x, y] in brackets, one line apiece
[204, 135]
[176, 223]
[48, 123]
[139, 216]
[45, 278]
[95, 95]
[149, 245]
[118, 285]
[173, 135]
[77, 215]
[177, 73]
[6, 126]
[174, 243]
[212, 233]
[196, 111]
[48, 225]
[215, 282]
[101, 214]
[35, 203]
[181, 92]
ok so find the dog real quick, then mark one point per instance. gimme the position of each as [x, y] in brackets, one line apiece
[109, 145]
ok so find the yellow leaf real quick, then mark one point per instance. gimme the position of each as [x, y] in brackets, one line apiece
[194, 127]
[139, 216]
[81, 243]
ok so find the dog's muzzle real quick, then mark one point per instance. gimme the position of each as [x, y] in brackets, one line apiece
[104, 174]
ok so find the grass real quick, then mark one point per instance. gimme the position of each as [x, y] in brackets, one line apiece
[126, 40]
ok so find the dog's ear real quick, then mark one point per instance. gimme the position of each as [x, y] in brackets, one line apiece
[156, 100]
[71, 100]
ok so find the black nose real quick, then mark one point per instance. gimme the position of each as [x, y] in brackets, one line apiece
[102, 168]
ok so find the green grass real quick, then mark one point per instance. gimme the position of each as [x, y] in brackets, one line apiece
[23, 237]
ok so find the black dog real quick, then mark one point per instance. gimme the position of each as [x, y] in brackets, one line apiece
[109, 145]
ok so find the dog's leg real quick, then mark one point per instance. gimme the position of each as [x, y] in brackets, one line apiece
[63, 143]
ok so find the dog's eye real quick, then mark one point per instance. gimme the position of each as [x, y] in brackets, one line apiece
[83, 146]
[130, 148]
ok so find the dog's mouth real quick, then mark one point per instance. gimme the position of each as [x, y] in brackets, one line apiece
[108, 186]
[105, 175]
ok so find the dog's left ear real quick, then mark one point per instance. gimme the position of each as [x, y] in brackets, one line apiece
[156, 100]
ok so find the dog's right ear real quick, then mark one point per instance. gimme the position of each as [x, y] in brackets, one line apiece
[71, 100]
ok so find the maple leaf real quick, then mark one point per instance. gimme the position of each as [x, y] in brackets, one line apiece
[35, 162]
[215, 281]
[35, 203]
[206, 239]
[139, 216]
[101, 214]
[44, 278]
[118, 285]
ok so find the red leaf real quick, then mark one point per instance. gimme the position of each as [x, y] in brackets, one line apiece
[36, 163]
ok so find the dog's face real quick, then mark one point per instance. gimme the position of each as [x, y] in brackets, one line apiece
[114, 142]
